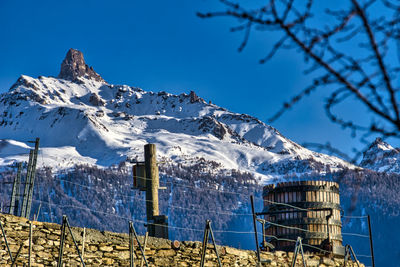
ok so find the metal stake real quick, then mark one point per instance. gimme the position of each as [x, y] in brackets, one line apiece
[62, 238]
[131, 249]
[204, 247]
[132, 230]
[215, 245]
[73, 239]
[83, 242]
[347, 250]
[36, 216]
[370, 241]
[302, 253]
[255, 228]
[264, 242]
[5, 239]
[298, 247]
[144, 247]
[65, 223]
[30, 244]
[16, 256]
[207, 232]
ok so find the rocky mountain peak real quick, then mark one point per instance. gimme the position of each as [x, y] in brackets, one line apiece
[74, 66]
[379, 144]
[381, 156]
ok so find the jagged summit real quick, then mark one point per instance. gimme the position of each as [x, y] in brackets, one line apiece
[381, 157]
[74, 66]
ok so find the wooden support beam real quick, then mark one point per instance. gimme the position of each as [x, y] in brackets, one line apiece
[152, 182]
[14, 205]
[27, 183]
[32, 179]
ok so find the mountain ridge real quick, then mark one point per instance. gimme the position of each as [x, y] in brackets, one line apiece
[85, 119]
[381, 157]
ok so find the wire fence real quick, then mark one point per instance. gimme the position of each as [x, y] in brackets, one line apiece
[64, 207]
[169, 206]
[202, 230]
[231, 213]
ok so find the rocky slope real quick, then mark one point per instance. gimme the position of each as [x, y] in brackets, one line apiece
[80, 118]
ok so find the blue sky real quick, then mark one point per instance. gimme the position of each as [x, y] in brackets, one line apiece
[162, 45]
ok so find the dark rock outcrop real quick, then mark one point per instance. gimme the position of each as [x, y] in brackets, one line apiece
[194, 98]
[95, 100]
[74, 66]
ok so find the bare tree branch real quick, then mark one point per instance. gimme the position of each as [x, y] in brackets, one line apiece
[349, 51]
[378, 56]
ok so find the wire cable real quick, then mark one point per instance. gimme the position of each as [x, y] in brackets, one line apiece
[140, 221]
[171, 206]
[290, 227]
[226, 213]
[292, 240]
[355, 234]
[286, 204]
[196, 229]
[311, 246]
[354, 217]
[181, 185]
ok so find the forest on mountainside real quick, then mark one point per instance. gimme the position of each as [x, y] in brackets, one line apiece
[104, 199]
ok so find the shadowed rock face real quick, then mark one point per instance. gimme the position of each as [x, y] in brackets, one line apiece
[74, 66]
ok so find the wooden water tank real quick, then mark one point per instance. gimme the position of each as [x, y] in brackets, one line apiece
[318, 210]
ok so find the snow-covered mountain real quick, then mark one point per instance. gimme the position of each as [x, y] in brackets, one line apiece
[80, 118]
[381, 157]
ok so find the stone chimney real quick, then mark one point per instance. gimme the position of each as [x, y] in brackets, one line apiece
[74, 66]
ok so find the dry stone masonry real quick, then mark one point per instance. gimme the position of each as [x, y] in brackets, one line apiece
[111, 249]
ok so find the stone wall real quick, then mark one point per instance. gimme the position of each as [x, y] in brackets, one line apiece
[111, 249]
